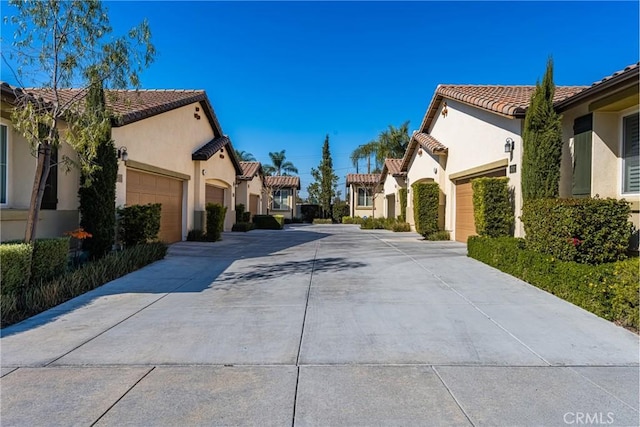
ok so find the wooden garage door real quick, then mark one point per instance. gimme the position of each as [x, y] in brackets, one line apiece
[465, 223]
[143, 188]
[254, 199]
[214, 194]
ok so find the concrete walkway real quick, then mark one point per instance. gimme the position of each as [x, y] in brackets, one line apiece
[318, 325]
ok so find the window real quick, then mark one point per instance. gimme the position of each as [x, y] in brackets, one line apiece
[582, 131]
[50, 196]
[3, 164]
[281, 200]
[364, 197]
[631, 157]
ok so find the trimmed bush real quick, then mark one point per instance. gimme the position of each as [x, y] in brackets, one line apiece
[401, 227]
[196, 235]
[439, 235]
[322, 221]
[607, 290]
[352, 220]
[373, 224]
[246, 217]
[588, 231]
[240, 211]
[426, 197]
[491, 207]
[45, 295]
[402, 194]
[339, 210]
[267, 222]
[50, 258]
[243, 226]
[215, 221]
[139, 223]
[16, 267]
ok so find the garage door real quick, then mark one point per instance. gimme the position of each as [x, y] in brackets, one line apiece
[254, 200]
[143, 188]
[214, 194]
[465, 224]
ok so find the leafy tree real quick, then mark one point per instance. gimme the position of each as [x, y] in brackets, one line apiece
[391, 143]
[542, 142]
[326, 181]
[244, 156]
[98, 188]
[279, 165]
[60, 44]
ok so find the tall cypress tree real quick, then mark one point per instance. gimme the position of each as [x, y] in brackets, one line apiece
[324, 188]
[98, 189]
[542, 141]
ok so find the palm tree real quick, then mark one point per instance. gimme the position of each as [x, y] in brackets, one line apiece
[279, 166]
[244, 156]
[365, 151]
[391, 143]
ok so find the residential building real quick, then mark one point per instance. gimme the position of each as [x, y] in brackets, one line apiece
[250, 190]
[365, 195]
[392, 179]
[283, 193]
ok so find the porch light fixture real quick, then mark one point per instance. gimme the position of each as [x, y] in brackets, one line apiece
[509, 145]
[122, 154]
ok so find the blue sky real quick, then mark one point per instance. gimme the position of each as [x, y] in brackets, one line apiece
[282, 75]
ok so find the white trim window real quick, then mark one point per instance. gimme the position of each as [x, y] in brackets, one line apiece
[281, 199]
[630, 154]
[4, 152]
[365, 197]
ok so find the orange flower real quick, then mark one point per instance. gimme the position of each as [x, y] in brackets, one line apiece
[79, 234]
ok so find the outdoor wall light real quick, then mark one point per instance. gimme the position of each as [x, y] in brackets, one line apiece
[122, 153]
[509, 145]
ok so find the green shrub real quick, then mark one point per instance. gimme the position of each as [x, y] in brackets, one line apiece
[246, 217]
[589, 231]
[373, 224]
[50, 258]
[296, 220]
[608, 290]
[45, 295]
[352, 220]
[267, 222]
[322, 221]
[426, 197]
[401, 227]
[196, 235]
[243, 226]
[402, 194]
[16, 267]
[439, 235]
[139, 223]
[240, 211]
[339, 210]
[215, 221]
[492, 207]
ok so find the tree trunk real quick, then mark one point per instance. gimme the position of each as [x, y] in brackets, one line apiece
[39, 183]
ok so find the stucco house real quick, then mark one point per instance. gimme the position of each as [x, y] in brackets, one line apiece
[392, 179]
[365, 194]
[250, 190]
[600, 134]
[171, 150]
[470, 131]
[283, 193]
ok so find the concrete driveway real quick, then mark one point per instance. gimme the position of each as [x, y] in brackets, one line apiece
[318, 325]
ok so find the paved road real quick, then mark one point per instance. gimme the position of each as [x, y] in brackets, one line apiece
[318, 325]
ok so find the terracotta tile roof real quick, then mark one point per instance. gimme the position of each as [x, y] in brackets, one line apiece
[363, 178]
[134, 105]
[429, 143]
[391, 166]
[210, 148]
[250, 169]
[282, 181]
[628, 70]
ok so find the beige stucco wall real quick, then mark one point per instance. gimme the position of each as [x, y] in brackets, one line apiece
[247, 188]
[391, 186]
[422, 167]
[376, 211]
[167, 141]
[221, 173]
[474, 138]
[291, 211]
[21, 165]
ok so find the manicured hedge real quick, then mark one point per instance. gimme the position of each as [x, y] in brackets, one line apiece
[240, 209]
[16, 266]
[196, 235]
[590, 231]
[139, 224]
[44, 295]
[439, 235]
[50, 258]
[402, 194]
[215, 221]
[268, 222]
[401, 227]
[322, 221]
[352, 220]
[243, 226]
[426, 197]
[608, 290]
[492, 210]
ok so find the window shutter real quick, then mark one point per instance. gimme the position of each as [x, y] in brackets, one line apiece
[631, 154]
[3, 164]
[50, 197]
[582, 165]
